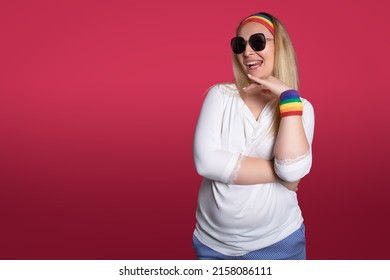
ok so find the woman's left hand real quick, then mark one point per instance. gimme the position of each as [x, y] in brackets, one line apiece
[271, 83]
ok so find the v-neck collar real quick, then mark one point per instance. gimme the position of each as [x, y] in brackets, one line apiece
[249, 113]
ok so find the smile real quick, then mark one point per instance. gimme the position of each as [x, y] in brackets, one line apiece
[254, 64]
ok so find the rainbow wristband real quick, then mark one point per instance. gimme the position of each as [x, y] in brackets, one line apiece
[290, 104]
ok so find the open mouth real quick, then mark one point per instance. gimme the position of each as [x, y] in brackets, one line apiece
[254, 64]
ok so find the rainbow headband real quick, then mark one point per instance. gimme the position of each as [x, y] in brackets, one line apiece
[260, 18]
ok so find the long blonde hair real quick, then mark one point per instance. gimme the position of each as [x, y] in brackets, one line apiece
[285, 66]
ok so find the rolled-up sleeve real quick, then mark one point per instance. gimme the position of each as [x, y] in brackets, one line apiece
[292, 170]
[211, 161]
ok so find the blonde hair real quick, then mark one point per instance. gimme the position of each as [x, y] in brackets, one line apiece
[285, 67]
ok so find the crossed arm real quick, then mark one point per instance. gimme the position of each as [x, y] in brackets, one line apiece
[292, 147]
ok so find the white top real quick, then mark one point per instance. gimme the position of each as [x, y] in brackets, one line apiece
[237, 219]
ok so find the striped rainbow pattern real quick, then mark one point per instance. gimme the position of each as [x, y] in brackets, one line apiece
[290, 104]
[260, 18]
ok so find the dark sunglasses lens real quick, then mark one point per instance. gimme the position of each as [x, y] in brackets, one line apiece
[257, 42]
[238, 45]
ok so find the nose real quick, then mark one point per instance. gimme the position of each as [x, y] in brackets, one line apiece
[248, 49]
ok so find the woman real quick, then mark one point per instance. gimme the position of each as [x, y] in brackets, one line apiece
[252, 145]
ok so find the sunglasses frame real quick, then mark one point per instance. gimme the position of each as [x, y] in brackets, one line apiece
[251, 43]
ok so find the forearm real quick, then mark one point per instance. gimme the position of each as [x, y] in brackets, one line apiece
[291, 141]
[260, 171]
[292, 148]
[255, 171]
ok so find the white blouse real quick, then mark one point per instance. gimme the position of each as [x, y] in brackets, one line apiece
[237, 219]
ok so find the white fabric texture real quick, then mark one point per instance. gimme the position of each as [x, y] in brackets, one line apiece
[237, 219]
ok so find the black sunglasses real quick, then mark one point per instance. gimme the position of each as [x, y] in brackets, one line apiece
[257, 42]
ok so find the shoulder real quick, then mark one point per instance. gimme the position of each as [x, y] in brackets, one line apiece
[219, 96]
[223, 90]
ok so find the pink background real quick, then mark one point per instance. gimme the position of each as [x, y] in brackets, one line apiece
[98, 105]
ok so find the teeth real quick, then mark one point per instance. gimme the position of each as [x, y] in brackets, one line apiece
[253, 63]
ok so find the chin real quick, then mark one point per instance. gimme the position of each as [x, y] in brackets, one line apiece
[258, 74]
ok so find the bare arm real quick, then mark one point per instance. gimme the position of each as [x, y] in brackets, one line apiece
[260, 171]
[255, 171]
[292, 147]
[291, 141]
